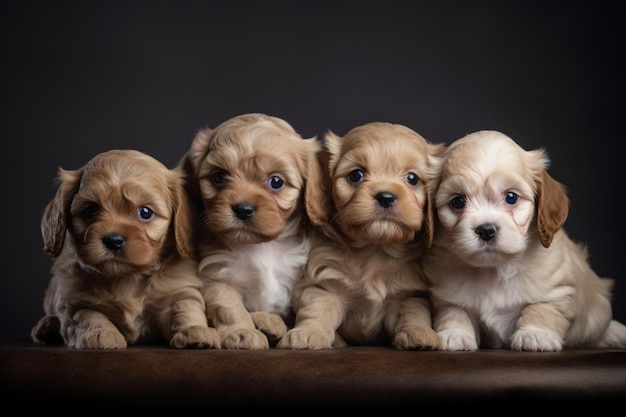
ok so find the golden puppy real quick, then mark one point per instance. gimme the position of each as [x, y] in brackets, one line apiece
[503, 271]
[250, 177]
[119, 230]
[362, 283]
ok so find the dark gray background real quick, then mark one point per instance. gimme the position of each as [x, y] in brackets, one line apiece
[83, 77]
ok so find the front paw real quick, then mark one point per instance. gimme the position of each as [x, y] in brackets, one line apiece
[536, 340]
[196, 337]
[457, 340]
[417, 338]
[271, 325]
[109, 338]
[48, 331]
[244, 339]
[301, 338]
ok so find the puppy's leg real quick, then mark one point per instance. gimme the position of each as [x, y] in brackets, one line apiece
[410, 325]
[455, 328]
[226, 312]
[188, 324]
[272, 325]
[319, 315]
[541, 327]
[47, 330]
[93, 330]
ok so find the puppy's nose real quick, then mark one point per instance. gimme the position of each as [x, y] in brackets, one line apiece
[385, 199]
[486, 231]
[243, 211]
[113, 242]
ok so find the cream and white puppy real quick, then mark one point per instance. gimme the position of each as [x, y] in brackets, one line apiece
[251, 177]
[120, 232]
[362, 283]
[503, 271]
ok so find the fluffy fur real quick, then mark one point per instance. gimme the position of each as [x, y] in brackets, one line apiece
[362, 284]
[119, 232]
[504, 273]
[250, 177]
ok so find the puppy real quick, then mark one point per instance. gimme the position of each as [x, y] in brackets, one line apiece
[362, 284]
[503, 271]
[251, 177]
[119, 230]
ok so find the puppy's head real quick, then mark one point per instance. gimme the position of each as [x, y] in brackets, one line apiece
[492, 195]
[377, 176]
[123, 211]
[250, 175]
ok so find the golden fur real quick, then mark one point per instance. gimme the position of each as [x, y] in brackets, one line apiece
[119, 231]
[362, 284]
[250, 178]
[503, 271]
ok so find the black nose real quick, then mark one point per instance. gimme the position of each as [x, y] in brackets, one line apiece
[243, 211]
[113, 242]
[486, 231]
[385, 199]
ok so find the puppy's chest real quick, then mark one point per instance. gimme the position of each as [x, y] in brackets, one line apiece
[264, 274]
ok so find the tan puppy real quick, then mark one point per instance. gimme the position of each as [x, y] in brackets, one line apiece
[250, 177]
[504, 273]
[119, 230]
[362, 284]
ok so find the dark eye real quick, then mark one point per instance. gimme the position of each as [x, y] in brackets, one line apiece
[276, 183]
[145, 213]
[457, 202]
[219, 177]
[412, 179]
[90, 212]
[511, 198]
[356, 176]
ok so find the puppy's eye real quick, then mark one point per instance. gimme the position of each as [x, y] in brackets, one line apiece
[219, 177]
[356, 176]
[457, 202]
[89, 213]
[412, 179]
[145, 213]
[276, 183]
[511, 197]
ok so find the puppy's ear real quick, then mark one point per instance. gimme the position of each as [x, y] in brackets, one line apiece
[319, 196]
[57, 212]
[190, 163]
[552, 207]
[315, 190]
[436, 152]
[184, 217]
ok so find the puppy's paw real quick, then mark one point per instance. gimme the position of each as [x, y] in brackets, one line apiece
[244, 339]
[196, 337]
[536, 340]
[271, 325]
[305, 338]
[457, 340]
[416, 338]
[47, 330]
[108, 338]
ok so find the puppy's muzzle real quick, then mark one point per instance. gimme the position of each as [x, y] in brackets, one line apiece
[486, 231]
[244, 211]
[385, 199]
[114, 242]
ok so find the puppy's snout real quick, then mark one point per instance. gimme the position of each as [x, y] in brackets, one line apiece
[243, 211]
[113, 242]
[486, 231]
[385, 199]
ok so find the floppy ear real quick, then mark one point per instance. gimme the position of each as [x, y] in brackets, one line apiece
[190, 162]
[56, 213]
[319, 196]
[552, 207]
[436, 152]
[314, 191]
[184, 219]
